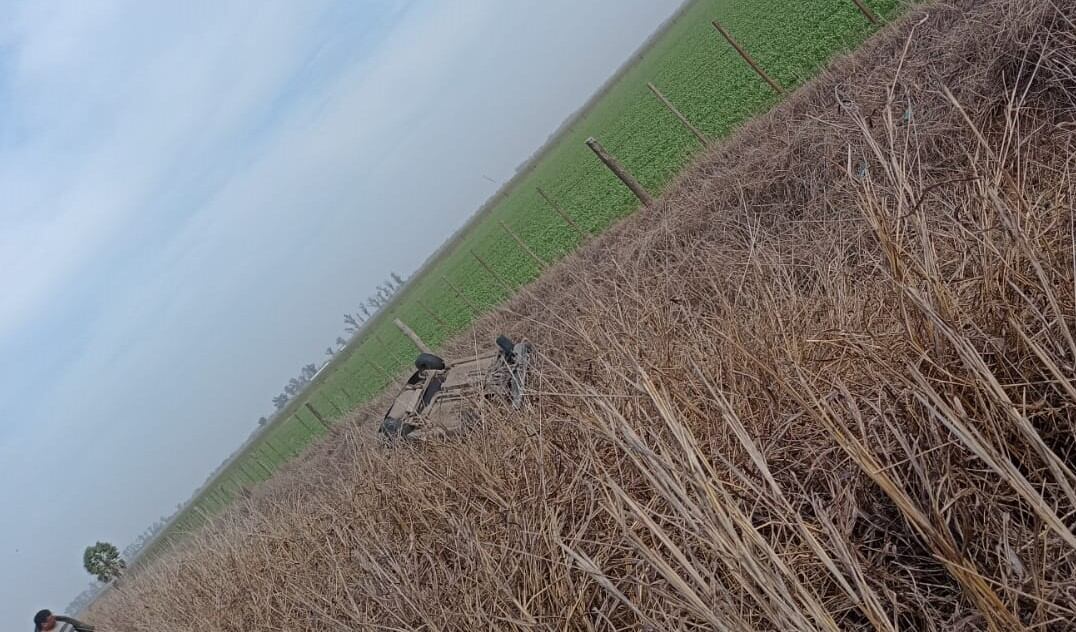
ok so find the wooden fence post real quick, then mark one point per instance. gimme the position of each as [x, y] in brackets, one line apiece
[866, 11]
[377, 366]
[463, 297]
[202, 512]
[272, 447]
[265, 458]
[496, 276]
[302, 423]
[333, 404]
[431, 314]
[316, 414]
[679, 115]
[746, 57]
[523, 245]
[559, 211]
[258, 461]
[620, 171]
[410, 333]
[384, 347]
[243, 474]
[250, 472]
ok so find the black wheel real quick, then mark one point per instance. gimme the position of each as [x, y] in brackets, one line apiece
[507, 347]
[429, 362]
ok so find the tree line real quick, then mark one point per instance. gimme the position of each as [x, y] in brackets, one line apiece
[353, 323]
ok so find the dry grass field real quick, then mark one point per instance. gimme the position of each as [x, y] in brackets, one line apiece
[695, 68]
[828, 382]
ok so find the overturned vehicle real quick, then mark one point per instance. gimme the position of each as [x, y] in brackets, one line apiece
[440, 398]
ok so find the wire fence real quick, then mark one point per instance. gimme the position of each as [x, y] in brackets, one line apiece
[712, 70]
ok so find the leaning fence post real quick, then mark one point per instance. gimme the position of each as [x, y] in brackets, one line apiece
[866, 11]
[380, 369]
[620, 171]
[248, 471]
[410, 333]
[492, 273]
[559, 211]
[384, 345]
[679, 115]
[272, 448]
[243, 473]
[523, 245]
[463, 297]
[432, 314]
[202, 512]
[302, 423]
[316, 414]
[746, 57]
[331, 403]
[258, 461]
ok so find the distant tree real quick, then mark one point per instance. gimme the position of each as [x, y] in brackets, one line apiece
[351, 323]
[103, 561]
[329, 352]
[397, 279]
[262, 421]
[280, 401]
[292, 387]
[308, 371]
[365, 312]
[340, 342]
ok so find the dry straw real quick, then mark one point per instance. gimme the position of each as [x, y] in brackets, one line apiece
[824, 384]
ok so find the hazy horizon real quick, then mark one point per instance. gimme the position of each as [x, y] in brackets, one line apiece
[196, 194]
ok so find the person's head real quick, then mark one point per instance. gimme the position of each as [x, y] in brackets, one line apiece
[44, 620]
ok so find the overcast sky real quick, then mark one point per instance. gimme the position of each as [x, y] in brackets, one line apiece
[192, 193]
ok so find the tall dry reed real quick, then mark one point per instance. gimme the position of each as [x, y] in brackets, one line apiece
[828, 383]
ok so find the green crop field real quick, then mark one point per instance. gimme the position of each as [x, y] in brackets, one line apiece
[696, 69]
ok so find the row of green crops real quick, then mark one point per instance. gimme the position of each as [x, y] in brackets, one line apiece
[697, 70]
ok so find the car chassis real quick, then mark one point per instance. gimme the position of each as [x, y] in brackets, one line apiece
[440, 398]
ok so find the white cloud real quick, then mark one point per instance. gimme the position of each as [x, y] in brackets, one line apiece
[101, 120]
[249, 170]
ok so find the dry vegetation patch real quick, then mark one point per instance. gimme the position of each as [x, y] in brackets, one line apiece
[828, 383]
